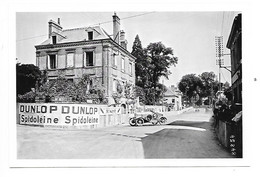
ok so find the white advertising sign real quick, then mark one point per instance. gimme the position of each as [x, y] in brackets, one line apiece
[58, 114]
[112, 110]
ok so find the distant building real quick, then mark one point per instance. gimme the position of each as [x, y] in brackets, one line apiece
[173, 98]
[89, 50]
[235, 45]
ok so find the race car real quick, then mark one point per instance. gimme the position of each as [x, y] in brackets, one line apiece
[149, 117]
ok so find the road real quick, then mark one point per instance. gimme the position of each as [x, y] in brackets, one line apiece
[188, 135]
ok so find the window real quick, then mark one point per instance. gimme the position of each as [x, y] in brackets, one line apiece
[114, 59]
[52, 62]
[90, 35]
[123, 109]
[240, 93]
[130, 68]
[123, 65]
[70, 60]
[70, 80]
[114, 85]
[54, 39]
[89, 85]
[89, 59]
[235, 95]
[123, 86]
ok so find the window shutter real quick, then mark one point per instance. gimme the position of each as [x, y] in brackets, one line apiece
[84, 59]
[48, 62]
[70, 60]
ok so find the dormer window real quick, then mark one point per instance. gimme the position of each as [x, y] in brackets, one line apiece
[54, 39]
[90, 35]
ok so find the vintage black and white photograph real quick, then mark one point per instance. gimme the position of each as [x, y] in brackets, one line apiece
[129, 85]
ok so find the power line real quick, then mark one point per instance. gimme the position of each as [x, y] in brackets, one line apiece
[90, 25]
[31, 38]
[137, 15]
[125, 18]
[223, 17]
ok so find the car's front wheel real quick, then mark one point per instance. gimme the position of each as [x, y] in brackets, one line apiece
[139, 121]
[163, 120]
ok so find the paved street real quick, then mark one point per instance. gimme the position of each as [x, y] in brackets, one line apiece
[188, 135]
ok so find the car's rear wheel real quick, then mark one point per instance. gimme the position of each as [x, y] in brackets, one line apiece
[132, 122]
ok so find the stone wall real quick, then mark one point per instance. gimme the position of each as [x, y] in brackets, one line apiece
[229, 135]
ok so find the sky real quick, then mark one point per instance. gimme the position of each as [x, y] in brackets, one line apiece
[191, 35]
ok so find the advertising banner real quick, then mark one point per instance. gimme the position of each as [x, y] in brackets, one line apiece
[146, 108]
[109, 111]
[58, 114]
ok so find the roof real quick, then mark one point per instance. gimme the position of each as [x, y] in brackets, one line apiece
[236, 27]
[172, 93]
[169, 93]
[79, 34]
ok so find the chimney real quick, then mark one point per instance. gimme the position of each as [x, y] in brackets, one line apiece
[116, 28]
[54, 27]
[123, 41]
[172, 87]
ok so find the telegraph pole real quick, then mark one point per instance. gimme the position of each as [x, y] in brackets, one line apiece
[219, 55]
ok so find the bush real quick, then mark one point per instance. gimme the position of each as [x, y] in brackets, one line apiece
[28, 97]
[199, 102]
[66, 91]
[26, 77]
[206, 102]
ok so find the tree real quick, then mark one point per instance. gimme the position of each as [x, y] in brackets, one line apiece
[226, 85]
[141, 63]
[228, 93]
[119, 93]
[161, 58]
[26, 77]
[139, 92]
[152, 63]
[209, 83]
[190, 85]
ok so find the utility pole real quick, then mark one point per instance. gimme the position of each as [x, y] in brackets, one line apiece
[219, 55]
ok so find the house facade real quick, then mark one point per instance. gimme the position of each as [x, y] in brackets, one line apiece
[89, 50]
[173, 98]
[235, 45]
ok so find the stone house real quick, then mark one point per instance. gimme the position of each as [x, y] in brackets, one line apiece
[235, 45]
[89, 50]
[173, 98]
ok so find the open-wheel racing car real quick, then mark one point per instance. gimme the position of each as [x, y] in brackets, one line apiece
[151, 117]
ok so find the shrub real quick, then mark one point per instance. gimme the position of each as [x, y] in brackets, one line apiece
[28, 97]
[206, 102]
